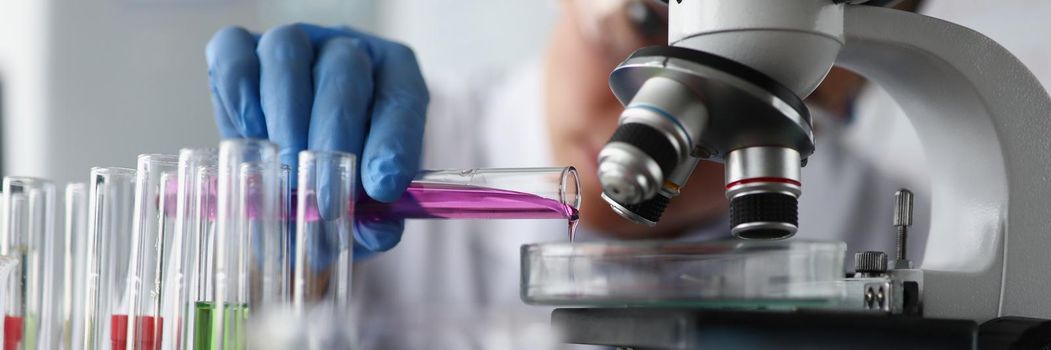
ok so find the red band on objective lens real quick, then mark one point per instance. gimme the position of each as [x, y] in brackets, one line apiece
[764, 179]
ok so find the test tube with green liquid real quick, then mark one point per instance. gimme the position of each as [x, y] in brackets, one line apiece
[184, 283]
[248, 267]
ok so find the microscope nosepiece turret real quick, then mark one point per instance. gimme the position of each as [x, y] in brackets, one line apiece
[683, 106]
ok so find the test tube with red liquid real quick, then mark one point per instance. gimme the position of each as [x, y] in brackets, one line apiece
[137, 323]
[98, 322]
[28, 235]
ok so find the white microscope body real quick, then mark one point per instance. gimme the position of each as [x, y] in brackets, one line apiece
[982, 117]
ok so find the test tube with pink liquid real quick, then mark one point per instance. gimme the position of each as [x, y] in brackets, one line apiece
[503, 193]
[494, 193]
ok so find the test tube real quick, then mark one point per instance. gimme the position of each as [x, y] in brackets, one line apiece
[153, 223]
[27, 234]
[508, 193]
[324, 231]
[76, 221]
[8, 263]
[192, 193]
[107, 252]
[200, 220]
[286, 220]
[247, 270]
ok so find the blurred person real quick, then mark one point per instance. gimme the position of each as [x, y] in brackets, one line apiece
[311, 87]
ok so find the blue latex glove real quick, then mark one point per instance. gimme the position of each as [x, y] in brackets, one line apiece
[304, 86]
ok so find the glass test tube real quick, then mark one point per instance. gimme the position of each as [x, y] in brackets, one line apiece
[324, 232]
[137, 322]
[521, 193]
[201, 226]
[194, 195]
[8, 265]
[286, 218]
[110, 211]
[27, 231]
[247, 262]
[76, 221]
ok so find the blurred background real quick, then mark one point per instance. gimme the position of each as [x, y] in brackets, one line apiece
[95, 83]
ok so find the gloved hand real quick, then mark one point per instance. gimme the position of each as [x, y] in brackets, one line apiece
[309, 87]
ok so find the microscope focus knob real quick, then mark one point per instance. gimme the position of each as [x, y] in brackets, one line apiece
[870, 262]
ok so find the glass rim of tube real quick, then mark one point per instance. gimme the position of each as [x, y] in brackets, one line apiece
[312, 154]
[158, 157]
[28, 180]
[569, 173]
[244, 146]
[112, 170]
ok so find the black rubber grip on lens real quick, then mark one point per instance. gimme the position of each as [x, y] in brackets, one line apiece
[650, 141]
[651, 209]
[764, 207]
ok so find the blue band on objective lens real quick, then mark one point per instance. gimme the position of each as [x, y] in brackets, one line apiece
[661, 112]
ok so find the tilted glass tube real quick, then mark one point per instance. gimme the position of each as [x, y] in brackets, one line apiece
[509, 193]
[512, 193]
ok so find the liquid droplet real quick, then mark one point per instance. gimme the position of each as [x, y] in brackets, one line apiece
[573, 222]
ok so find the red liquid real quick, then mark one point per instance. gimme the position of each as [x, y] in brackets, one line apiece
[12, 332]
[148, 329]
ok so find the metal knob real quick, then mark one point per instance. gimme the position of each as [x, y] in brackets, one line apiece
[903, 208]
[870, 263]
[902, 221]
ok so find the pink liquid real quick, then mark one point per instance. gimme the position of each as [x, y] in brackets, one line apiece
[436, 201]
[439, 201]
[430, 201]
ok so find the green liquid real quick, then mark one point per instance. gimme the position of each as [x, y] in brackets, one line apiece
[233, 336]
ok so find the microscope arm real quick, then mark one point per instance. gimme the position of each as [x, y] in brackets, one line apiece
[728, 88]
[983, 120]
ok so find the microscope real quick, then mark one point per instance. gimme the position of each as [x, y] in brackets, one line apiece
[729, 87]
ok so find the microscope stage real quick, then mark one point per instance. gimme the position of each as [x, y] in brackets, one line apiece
[733, 273]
